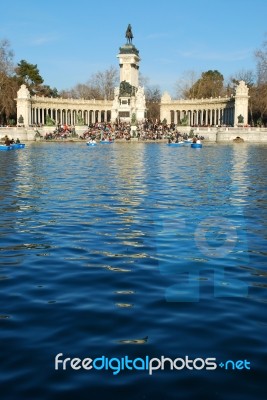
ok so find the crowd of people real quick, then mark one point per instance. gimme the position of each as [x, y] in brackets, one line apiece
[61, 132]
[143, 131]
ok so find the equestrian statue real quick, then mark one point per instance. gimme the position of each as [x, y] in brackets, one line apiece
[129, 34]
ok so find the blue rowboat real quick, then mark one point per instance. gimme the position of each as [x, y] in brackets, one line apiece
[179, 144]
[196, 145]
[18, 145]
[91, 144]
[5, 148]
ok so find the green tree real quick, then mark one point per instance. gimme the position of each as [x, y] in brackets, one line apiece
[29, 75]
[47, 91]
[210, 84]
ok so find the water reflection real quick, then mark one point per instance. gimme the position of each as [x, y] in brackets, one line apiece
[130, 175]
[93, 241]
[239, 176]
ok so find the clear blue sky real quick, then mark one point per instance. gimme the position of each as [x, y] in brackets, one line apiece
[71, 40]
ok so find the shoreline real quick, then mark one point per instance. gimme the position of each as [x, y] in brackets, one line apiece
[211, 135]
[136, 142]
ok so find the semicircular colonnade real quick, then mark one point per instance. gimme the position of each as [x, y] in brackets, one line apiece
[198, 112]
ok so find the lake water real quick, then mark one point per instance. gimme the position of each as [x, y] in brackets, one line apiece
[138, 250]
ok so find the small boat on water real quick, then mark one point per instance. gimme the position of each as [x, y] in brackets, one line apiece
[196, 145]
[6, 148]
[18, 145]
[106, 141]
[91, 143]
[12, 146]
[178, 144]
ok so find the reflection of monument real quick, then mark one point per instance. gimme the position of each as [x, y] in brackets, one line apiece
[129, 98]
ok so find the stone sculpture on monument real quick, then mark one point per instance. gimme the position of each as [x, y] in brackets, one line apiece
[129, 98]
[129, 34]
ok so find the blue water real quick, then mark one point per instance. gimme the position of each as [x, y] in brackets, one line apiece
[138, 250]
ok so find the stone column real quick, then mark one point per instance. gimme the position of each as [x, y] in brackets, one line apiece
[241, 103]
[165, 108]
[24, 105]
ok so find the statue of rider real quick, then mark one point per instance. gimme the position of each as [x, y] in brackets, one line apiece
[129, 34]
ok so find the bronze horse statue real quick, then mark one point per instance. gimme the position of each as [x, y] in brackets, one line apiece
[129, 34]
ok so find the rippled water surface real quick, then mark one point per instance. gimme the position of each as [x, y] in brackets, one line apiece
[138, 250]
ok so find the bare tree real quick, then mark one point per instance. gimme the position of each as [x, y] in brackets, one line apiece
[258, 103]
[261, 59]
[8, 83]
[103, 83]
[260, 93]
[143, 80]
[6, 58]
[153, 96]
[185, 83]
[246, 75]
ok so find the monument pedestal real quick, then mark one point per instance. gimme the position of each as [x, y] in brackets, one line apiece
[129, 98]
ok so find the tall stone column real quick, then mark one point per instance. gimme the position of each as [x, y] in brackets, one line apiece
[129, 99]
[241, 104]
[24, 106]
[164, 108]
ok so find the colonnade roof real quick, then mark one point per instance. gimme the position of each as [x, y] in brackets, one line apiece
[211, 100]
[70, 101]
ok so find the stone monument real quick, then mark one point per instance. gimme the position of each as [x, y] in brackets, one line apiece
[129, 97]
[23, 106]
[241, 104]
